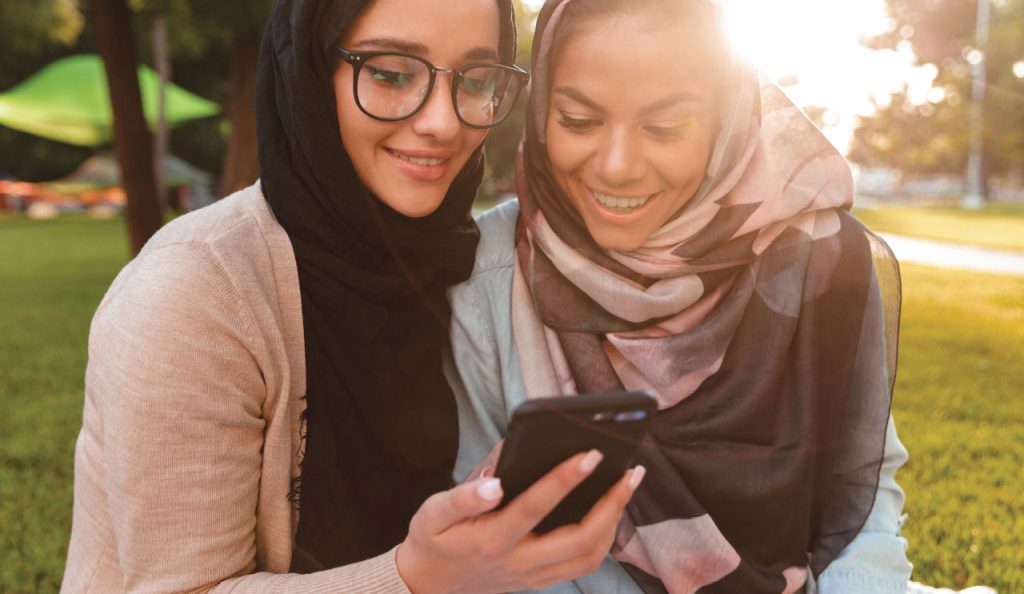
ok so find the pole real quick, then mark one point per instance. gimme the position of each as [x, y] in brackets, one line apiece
[975, 196]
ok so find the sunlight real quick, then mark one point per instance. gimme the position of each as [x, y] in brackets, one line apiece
[814, 49]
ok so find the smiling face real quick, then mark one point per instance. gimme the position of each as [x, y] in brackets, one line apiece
[409, 165]
[632, 118]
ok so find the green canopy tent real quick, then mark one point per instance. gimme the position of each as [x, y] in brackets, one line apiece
[68, 101]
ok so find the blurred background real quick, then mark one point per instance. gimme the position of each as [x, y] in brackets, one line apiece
[925, 97]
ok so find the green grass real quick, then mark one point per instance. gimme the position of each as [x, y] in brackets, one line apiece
[996, 226]
[52, 276]
[959, 407]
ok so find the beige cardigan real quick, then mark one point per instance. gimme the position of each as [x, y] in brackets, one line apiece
[190, 432]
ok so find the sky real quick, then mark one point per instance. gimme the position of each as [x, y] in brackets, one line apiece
[814, 47]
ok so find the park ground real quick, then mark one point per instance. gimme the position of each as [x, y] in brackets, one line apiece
[959, 401]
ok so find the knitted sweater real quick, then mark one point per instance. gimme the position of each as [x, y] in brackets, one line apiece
[190, 434]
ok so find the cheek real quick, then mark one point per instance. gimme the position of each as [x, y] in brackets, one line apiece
[566, 152]
[686, 166]
[474, 138]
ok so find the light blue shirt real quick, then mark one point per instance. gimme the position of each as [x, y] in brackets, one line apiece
[483, 368]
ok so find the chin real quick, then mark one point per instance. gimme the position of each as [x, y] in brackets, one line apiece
[615, 240]
[416, 208]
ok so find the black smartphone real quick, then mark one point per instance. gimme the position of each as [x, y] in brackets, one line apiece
[544, 432]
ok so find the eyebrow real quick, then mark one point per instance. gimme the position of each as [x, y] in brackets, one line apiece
[576, 95]
[418, 49]
[671, 100]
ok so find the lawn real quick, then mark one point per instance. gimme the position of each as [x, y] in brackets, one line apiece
[52, 276]
[998, 226]
[959, 407]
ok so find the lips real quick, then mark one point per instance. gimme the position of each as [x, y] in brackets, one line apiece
[420, 165]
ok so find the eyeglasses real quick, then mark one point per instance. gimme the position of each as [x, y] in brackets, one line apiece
[390, 86]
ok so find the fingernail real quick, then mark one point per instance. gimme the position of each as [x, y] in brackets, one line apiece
[487, 471]
[636, 476]
[590, 461]
[489, 489]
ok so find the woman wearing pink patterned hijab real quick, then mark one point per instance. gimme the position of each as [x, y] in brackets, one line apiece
[682, 228]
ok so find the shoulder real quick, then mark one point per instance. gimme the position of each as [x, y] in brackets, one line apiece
[486, 295]
[235, 240]
[242, 221]
[497, 237]
[231, 256]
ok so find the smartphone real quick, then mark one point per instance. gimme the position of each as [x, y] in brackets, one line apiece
[544, 432]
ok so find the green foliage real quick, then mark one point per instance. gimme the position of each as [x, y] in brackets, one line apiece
[934, 137]
[33, 26]
[1000, 227]
[198, 27]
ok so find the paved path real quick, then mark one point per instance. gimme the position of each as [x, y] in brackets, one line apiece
[953, 255]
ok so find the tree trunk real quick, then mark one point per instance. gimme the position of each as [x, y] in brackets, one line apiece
[241, 163]
[133, 143]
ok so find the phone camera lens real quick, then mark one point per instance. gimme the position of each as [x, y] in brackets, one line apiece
[633, 415]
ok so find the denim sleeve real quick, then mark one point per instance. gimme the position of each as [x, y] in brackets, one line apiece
[875, 562]
[481, 365]
[472, 368]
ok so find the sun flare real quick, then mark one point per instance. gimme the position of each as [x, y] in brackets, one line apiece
[814, 49]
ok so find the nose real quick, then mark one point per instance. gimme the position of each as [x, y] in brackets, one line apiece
[437, 116]
[621, 160]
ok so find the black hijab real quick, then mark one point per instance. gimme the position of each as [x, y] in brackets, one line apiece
[380, 424]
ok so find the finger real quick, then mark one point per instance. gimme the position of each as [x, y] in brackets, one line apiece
[443, 510]
[529, 508]
[592, 538]
[485, 467]
[608, 509]
[492, 458]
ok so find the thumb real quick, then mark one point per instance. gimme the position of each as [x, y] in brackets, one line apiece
[468, 500]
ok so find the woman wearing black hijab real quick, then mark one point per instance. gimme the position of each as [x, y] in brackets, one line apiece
[265, 407]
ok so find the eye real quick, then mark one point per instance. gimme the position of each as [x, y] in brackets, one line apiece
[388, 77]
[669, 130]
[478, 85]
[579, 125]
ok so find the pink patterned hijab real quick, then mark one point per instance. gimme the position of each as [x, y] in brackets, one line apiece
[762, 316]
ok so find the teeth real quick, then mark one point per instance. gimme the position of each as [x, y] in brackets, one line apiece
[617, 202]
[417, 160]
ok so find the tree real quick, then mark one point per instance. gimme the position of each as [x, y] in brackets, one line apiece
[133, 142]
[231, 28]
[933, 137]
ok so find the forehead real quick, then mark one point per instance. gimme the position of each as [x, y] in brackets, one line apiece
[442, 27]
[632, 59]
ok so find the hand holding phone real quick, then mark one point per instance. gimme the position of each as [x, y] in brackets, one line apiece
[546, 431]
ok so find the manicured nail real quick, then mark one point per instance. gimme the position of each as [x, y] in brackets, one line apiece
[635, 476]
[590, 461]
[490, 489]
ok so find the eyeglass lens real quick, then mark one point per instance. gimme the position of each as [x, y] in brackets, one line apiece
[393, 87]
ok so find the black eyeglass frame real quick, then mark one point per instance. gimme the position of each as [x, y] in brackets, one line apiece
[359, 59]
